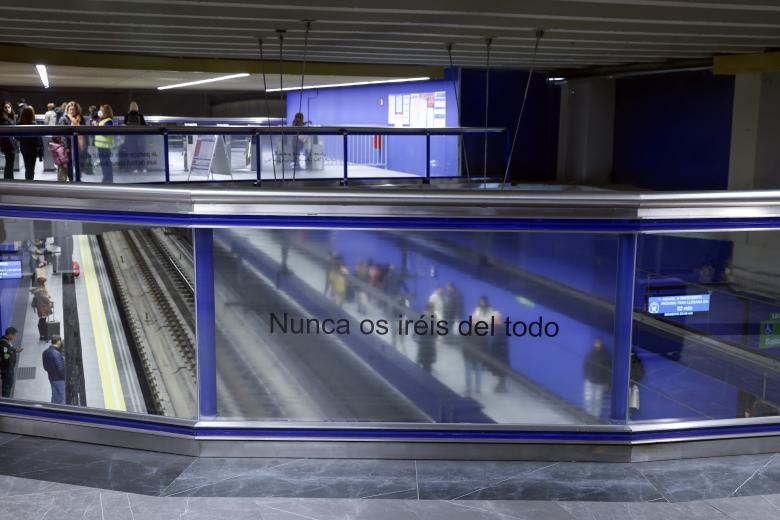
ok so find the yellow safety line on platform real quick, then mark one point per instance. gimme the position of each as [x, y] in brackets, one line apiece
[113, 397]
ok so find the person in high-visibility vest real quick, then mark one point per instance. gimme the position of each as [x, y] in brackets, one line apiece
[104, 143]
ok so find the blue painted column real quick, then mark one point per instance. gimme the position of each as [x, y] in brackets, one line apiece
[205, 322]
[624, 315]
[166, 159]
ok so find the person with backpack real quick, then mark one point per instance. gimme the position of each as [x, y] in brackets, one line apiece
[8, 354]
[54, 364]
[61, 156]
[30, 146]
[134, 143]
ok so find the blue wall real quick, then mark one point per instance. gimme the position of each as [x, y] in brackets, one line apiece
[535, 155]
[673, 131]
[360, 105]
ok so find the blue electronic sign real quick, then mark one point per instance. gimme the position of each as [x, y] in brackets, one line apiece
[10, 269]
[678, 305]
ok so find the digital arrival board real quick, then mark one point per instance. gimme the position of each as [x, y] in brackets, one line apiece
[679, 304]
[10, 269]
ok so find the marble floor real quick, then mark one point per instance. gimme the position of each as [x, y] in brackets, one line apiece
[46, 478]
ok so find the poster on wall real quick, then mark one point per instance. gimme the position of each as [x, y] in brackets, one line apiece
[418, 110]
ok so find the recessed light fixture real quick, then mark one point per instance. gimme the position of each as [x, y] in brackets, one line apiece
[203, 81]
[43, 74]
[352, 84]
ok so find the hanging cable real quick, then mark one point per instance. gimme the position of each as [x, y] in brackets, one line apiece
[300, 96]
[539, 36]
[267, 106]
[457, 106]
[281, 32]
[488, 43]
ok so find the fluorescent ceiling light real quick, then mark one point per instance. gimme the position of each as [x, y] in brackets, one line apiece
[556, 79]
[43, 74]
[353, 84]
[202, 81]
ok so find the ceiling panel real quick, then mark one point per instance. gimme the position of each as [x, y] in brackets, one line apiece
[578, 33]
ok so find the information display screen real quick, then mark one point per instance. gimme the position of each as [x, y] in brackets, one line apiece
[678, 305]
[10, 269]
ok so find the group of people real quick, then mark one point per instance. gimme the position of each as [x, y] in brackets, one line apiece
[69, 113]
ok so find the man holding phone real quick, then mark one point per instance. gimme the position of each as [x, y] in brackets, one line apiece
[8, 355]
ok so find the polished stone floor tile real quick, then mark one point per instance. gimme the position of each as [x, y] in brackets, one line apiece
[765, 481]
[745, 508]
[573, 481]
[306, 478]
[700, 479]
[91, 465]
[518, 509]
[773, 499]
[450, 480]
[7, 437]
[16, 486]
[642, 511]
[50, 506]
[210, 471]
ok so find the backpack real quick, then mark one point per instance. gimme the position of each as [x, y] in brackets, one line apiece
[133, 118]
[637, 367]
[5, 353]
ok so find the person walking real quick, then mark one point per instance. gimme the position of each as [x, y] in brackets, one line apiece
[134, 117]
[104, 144]
[475, 347]
[73, 117]
[31, 147]
[8, 355]
[8, 143]
[426, 343]
[53, 359]
[597, 372]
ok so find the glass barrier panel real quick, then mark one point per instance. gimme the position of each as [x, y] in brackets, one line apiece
[445, 156]
[291, 156]
[33, 157]
[120, 159]
[707, 326]
[414, 326]
[213, 158]
[118, 298]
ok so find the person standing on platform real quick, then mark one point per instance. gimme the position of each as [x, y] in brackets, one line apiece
[476, 347]
[50, 117]
[436, 299]
[104, 144]
[597, 372]
[61, 157]
[73, 117]
[134, 143]
[453, 304]
[426, 343]
[43, 306]
[8, 354]
[8, 143]
[338, 282]
[30, 146]
[54, 364]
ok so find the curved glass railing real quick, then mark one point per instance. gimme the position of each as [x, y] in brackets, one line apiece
[581, 316]
[247, 151]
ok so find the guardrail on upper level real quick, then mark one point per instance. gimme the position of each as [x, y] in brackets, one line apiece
[279, 145]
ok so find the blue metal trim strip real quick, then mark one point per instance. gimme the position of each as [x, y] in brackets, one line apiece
[396, 433]
[624, 318]
[507, 224]
[205, 325]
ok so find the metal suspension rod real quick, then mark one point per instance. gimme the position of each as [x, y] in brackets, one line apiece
[281, 32]
[267, 106]
[457, 106]
[488, 43]
[539, 36]
[300, 95]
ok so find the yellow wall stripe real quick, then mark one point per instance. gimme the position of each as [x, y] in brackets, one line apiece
[113, 396]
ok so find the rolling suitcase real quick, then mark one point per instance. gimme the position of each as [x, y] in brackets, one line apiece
[52, 327]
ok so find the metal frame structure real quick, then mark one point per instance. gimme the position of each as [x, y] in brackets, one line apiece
[621, 213]
[252, 128]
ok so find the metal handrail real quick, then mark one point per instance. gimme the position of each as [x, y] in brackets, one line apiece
[43, 130]
[747, 206]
